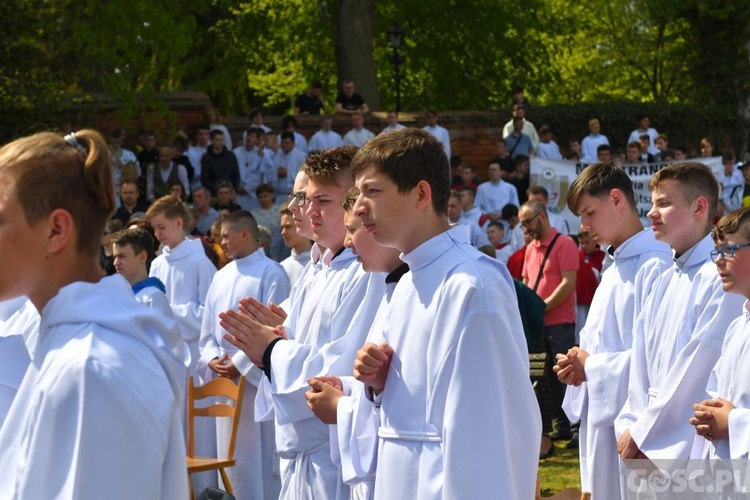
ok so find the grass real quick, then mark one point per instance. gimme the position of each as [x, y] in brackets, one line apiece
[560, 471]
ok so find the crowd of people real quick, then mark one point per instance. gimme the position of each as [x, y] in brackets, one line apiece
[374, 294]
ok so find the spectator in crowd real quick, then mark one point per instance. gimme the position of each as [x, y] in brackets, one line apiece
[179, 149]
[556, 284]
[521, 177]
[219, 164]
[604, 153]
[645, 141]
[195, 153]
[256, 167]
[349, 103]
[745, 169]
[644, 128]
[547, 147]
[527, 127]
[590, 144]
[469, 212]
[286, 163]
[178, 189]
[540, 194]
[514, 234]
[164, 173]
[392, 119]
[440, 133]
[496, 235]
[668, 155]
[124, 162]
[477, 236]
[358, 135]
[225, 197]
[206, 213]
[504, 159]
[148, 154]
[130, 202]
[256, 120]
[467, 177]
[680, 153]
[267, 215]
[213, 118]
[707, 148]
[518, 142]
[494, 194]
[289, 124]
[662, 144]
[214, 237]
[633, 153]
[574, 150]
[312, 101]
[732, 182]
[325, 138]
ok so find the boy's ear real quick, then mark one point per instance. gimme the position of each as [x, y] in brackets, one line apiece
[424, 194]
[143, 256]
[701, 208]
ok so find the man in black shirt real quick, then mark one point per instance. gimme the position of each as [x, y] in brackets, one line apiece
[311, 102]
[349, 103]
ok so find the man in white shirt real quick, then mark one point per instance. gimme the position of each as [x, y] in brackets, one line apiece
[325, 138]
[392, 120]
[528, 127]
[256, 120]
[591, 143]
[289, 124]
[732, 183]
[477, 235]
[165, 173]
[250, 274]
[494, 194]
[547, 147]
[644, 128]
[358, 135]
[256, 168]
[123, 160]
[286, 163]
[440, 133]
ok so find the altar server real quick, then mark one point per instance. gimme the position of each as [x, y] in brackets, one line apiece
[602, 195]
[723, 422]
[19, 329]
[327, 326]
[99, 411]
[679, 333]
[452, 358]
[250, 274]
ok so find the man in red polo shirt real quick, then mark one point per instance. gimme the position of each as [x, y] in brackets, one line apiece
[550, 267]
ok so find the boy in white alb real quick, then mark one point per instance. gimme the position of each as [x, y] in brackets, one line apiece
[340, 401]
[186, 273]
[680, 330]
[603, 196]
[327, 325]
[437, 371]
[250, 274]
[19, 328]
[722, 422]
[300, 245]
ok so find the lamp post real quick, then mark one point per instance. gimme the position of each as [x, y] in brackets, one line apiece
[396, 34]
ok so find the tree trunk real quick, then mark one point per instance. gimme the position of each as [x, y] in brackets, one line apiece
[354, 59]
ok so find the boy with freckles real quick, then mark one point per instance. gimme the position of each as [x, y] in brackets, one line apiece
[679, 333]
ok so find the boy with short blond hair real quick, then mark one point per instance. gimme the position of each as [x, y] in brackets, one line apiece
[679, 333]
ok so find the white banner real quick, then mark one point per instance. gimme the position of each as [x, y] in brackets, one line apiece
[557, 175]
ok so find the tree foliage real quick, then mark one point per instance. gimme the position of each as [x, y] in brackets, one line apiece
[465, 54]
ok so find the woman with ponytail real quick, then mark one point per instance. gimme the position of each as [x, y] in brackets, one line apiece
[98, 414]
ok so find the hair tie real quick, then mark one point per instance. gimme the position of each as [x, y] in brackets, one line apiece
[72, 141]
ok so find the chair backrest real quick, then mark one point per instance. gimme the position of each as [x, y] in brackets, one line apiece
[537, 366]
[220, 386]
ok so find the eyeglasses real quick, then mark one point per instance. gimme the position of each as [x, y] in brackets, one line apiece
[727, 251]
[299, 198]
[527, 223]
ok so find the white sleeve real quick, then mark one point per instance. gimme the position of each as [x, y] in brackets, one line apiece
[182, 174]
[190, 314]
[208, 346]
[357, 426]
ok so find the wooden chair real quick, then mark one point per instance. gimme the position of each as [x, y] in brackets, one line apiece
[217, 387]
